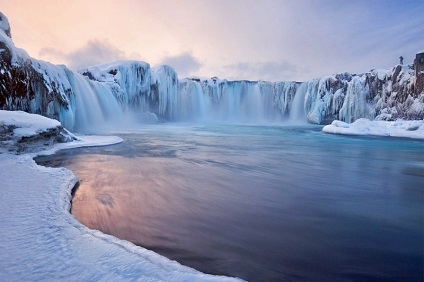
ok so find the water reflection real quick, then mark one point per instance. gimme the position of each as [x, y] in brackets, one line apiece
[261, 203]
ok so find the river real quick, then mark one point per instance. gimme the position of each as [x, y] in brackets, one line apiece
[263, 203]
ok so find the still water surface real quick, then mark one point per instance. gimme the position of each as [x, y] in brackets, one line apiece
[264, 203]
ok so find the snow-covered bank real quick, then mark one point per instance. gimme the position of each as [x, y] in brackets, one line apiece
[24, 132]
[400, 128]
[41, 240]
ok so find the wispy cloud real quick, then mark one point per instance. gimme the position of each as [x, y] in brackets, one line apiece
[184, 64]
[270, 71]
[238, 39]
[94, 52]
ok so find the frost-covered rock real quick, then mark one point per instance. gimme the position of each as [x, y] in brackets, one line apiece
[381, 94]
[24, 132]
[31, 85]
[4, 25]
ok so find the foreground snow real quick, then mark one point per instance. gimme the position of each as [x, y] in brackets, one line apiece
[400, 128]
[26, 124]
[41, 240]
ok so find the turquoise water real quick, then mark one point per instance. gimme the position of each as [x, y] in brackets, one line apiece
[264, 203]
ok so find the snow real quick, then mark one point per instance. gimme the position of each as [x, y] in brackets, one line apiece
[26, 124]
[41, 240]
[4, 23]
[381, 73]
[18, 55]
[400, 128]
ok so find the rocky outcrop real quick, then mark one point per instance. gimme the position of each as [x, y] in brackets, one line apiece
[43, 140]
[419, 72]
[378, 94]
[31, 85]
[21, 132]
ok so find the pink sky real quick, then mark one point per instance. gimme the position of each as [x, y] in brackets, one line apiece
[243, 39]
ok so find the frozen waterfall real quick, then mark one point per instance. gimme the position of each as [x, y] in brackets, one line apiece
[297, 111]
[125, 93]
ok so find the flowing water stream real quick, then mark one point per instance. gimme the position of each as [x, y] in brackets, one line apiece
[264, 203]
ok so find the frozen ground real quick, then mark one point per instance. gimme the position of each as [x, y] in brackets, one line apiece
[41, 240]
[400, 128]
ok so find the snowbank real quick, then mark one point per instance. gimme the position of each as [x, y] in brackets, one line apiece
[41, 240]
[24, 132]
[399, 128]
[26, 124]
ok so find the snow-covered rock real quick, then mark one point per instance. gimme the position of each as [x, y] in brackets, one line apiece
[24, 132]
[383, 95]
[4, 25]
[400, 128]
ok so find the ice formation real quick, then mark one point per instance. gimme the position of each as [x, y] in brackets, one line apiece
[131, 91]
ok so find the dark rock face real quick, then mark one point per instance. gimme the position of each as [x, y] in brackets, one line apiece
[419, 72]
[5, 55]
[30, 85]
[43, 140]
[22, 87]
[17, 86]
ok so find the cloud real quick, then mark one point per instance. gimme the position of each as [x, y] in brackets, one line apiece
[52, 54]
[184, 64]
[94, 52]
[269, 71]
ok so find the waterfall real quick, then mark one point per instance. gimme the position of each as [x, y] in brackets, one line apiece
[297, 109]
[95, 106]
[201, 103]
[130, 91]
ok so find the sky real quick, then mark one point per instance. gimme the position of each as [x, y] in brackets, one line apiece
[274, 40]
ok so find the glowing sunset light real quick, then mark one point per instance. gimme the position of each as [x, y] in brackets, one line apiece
[269, 40]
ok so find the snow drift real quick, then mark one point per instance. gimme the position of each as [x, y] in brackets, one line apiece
[400, 128]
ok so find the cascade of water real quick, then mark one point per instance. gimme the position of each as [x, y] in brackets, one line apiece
[108, 103]
[226, 101]
[200, 101]
[168, 92]
[255, 105]
[160, 91]
[269, 109]
[95, 105]
[232, 104]
[297, 109]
